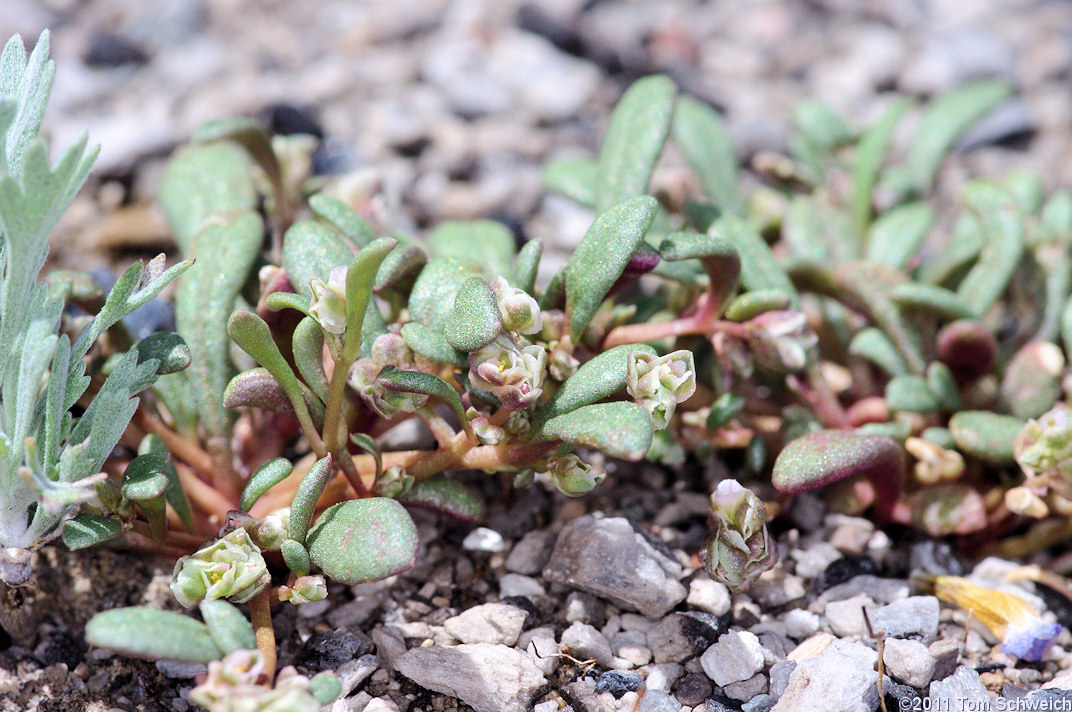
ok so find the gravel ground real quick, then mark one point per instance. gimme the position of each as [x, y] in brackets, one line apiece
[452, 107]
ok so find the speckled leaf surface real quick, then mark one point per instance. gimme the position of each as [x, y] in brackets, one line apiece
[86, 530]
[600, 377]
[634, 140]
[484, 244]
[342, 217]
[759, 269]
[153, 635]
[447, 496]
[228, 627]
[202, 181]
[267, 476]
[575, 178]
[364, 540]
[204, 299]
[396, 379]
[601, 257]
[818, 459]
[475, 320]
[619, 429]
[701, 133]
[305, 498]
[985, 435]
[312, 249]
[168, 348]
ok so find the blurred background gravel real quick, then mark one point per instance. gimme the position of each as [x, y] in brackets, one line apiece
[453, 105]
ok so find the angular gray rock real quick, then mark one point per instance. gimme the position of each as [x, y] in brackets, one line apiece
[680, 636]
[842, 679]
[963, 689]
[586, 642]
[908, 661]
[488, 678]
[914, 617]
[658, 701]
[531, 553]
[846, 617]
[495, 623]
[610, 559]
[735, 657]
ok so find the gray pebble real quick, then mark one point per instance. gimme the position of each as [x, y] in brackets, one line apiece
[489, 678]
[908, 661]
[736, 656]
[914, 617]
[531, 553]
[962, 688]
[610, 559]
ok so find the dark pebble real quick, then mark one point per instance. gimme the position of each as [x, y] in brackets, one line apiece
[65, 648]
[900, 697]
[107, 50]
[618, 683]
[842, 570]
[288, 120]
[693, 689]
[701, 629]
[327, 651]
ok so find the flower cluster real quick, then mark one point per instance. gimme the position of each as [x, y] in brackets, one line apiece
[231, 567]
[232, 686]
[387, 350]
[659, 383]
[741, 549]
[512, 373]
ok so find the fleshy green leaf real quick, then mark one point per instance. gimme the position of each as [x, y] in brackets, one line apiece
[251, 334]
[266, 477]
[431, 344]
[945, 119]
[202, 182]
[759, 269]
[248, 134]
[278, 301]
[867, 161]
[899, 233]
[360, 278]
[910, 394]
[342, 217]
[724, 409]
[296, 557]
[396, 379]
[484, 244]
[601, 257]
[619, 429]
[229, 629]
[475, 319]
[818, 459]
[144, 477]
[226, 251]
[367, 443]
[312, 249]
[168, 348]
[985, 435]
[153, 635]
[527, 264]
[634, 140]
[306, 497]
[575, 178]
[600, 377]
[325, 687]
[400, 268]
[702, 135]
[86, 530]
[446, 496]
[718, 256]
[174, 494]
[751, 304]
[363, 540]
[920, 298]
[308, 348]
[1004, 246]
